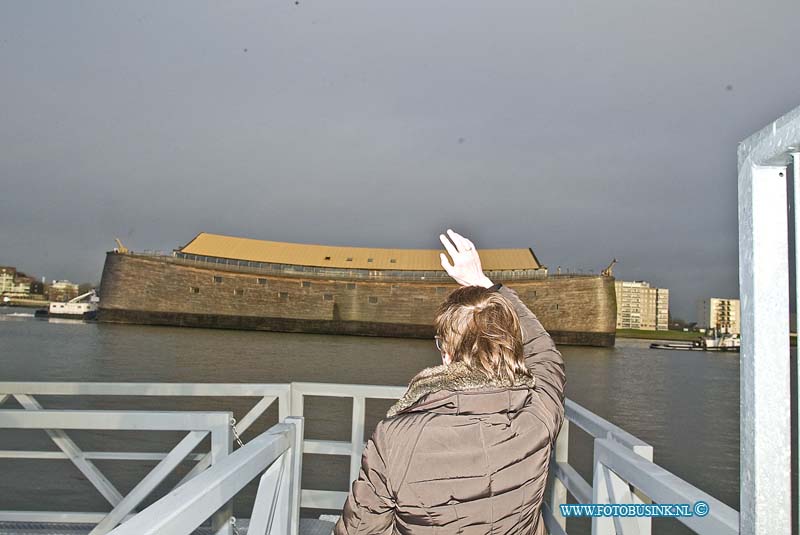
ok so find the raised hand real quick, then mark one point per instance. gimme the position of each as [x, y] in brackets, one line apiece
[466, 267]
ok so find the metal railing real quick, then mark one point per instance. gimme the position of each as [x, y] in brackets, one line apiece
[28, 395]
[327, 499]
[623, 473]
[275, 454]
[57, 422]
[622, 464]
[767, 160]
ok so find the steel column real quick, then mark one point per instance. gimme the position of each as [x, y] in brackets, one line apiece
[765, 472]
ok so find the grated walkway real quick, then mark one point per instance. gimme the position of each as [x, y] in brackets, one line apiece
[308, 526]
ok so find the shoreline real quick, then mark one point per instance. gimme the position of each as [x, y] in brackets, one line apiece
[673, 336]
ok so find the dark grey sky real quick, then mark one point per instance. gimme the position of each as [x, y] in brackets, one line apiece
[586, 130]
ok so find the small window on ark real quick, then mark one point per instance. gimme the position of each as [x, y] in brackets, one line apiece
[194, 289]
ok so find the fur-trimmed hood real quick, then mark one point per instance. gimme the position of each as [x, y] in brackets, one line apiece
[454, 378]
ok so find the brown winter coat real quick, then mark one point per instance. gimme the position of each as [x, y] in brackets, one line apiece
[461, 455]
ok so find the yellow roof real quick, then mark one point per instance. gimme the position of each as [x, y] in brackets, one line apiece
[216, 245]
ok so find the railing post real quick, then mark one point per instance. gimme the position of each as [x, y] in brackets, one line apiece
[764, 387]
[221, 447]
[296, 396]
[267, 517]
[558, 492]
[357, 436]
[284, 404]
[610, 488]
[645, 522]
[600, 494]
[795, 177]
[295, 474]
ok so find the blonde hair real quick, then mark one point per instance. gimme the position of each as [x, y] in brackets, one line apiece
[480, 328]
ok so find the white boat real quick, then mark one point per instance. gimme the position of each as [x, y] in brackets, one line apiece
[724, 342]
[83, 307]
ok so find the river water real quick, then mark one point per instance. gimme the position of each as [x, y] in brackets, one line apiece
[685, 404]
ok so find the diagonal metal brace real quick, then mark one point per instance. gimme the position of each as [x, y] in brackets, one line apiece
[252, 415]
[68, 446]
[149, 482]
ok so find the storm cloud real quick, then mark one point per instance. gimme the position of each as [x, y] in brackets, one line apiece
[584, 130]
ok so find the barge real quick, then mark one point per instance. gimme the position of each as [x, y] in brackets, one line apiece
[83, 307]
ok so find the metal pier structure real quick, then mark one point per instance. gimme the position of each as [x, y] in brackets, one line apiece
[623, 468]
[201, 502]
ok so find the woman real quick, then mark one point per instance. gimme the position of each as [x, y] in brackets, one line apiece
[466, 450]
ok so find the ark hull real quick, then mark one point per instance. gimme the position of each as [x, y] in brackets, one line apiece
[163, 290]
[359, 328]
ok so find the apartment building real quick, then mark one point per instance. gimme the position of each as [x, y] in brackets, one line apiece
[721, 314]
[640, 306]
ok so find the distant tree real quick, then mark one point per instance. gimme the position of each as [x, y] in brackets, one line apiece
[675, 323]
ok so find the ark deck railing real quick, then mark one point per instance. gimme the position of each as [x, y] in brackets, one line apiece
[622, 464]
[387, 275]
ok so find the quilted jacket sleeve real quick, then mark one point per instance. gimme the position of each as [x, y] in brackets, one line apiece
[543, 360]
[370, 508]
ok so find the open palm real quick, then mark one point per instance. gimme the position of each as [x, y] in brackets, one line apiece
[466, 267]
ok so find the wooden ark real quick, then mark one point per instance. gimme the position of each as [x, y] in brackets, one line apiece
[237, 283]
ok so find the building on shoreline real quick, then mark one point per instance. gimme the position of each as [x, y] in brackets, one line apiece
[240, 283]
[62, 290]
[724, 315]
[640, 306]
[17, 284]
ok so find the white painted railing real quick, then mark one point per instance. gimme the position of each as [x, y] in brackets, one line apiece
[326, 499]
[276, 455]
[621, 461]
[57, 422]
[617, 469]
[766, 160]
[27, 394]
[623, 473]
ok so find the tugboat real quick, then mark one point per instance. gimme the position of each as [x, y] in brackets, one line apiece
[724, 342]
[83, 307]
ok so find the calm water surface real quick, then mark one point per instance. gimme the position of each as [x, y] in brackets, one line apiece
[685, 404]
